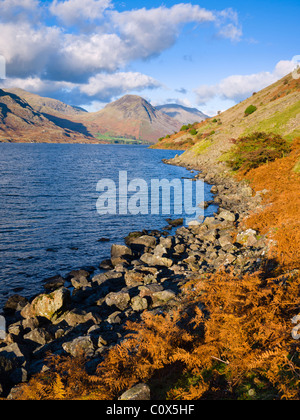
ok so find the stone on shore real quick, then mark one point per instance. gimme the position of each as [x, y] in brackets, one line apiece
[175, 222]
[138, 392]
[153, 260]
[162, 298]
[227, 215]
[247, 238]
[120, 300]
[138, 303]
[80, 282]
[80, 346]
[120, 254]
[53, 283]
[15, 303]
[47, 305]
[39, 336]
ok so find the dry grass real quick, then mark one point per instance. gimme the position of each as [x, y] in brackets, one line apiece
[281, 216]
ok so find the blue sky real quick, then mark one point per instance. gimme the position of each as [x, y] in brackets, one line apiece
[208, 54]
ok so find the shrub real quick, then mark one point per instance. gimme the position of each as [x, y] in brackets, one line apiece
[250, 110]
[193, 132]
[184, 128]
[256, 149]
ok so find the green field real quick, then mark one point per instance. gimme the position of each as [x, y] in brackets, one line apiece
[118, 139]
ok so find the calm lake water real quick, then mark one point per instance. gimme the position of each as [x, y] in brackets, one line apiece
[48, 219]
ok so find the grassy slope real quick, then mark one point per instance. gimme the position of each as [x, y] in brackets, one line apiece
[278, 111]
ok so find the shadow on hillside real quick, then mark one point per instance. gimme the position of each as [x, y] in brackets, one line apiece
[68, 124]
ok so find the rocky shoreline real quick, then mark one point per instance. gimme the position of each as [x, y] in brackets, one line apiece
[86, 313]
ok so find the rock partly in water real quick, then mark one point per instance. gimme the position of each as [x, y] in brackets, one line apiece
[53, 283]
[120, 254]
[15, 303]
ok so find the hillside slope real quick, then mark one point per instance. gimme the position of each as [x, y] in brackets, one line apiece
[278, 111]
[46, 105]
[130, 116]
[20, 122]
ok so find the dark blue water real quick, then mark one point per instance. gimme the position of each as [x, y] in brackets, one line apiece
[48, 219]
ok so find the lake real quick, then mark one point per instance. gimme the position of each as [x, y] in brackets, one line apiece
[49, 223]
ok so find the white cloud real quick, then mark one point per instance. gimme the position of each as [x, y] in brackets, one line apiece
[36, 85]
[150, 31]
[72, 12]
[239, 87]
[101, 88]
[228, 22]
[28, 51]
[118, 83]
[53, 52]
[11, 9]
[231, 31]
[44, 57]
[98, 52]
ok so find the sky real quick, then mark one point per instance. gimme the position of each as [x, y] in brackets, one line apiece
[205, 54]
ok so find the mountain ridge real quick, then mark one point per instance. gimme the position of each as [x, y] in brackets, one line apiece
[182, 113]
[20, 122]
[45, 104]
[131, 117]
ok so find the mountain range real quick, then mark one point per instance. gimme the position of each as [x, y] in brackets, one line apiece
[27, 117]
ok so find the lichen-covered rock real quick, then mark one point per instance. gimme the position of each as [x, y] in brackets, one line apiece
[247, 238]
[120, 300]
[38, 336]
[227, 215]
[47, 305]
[153, 260]
[138, 303]
[80, 346]
[163, 297]
[138, 392]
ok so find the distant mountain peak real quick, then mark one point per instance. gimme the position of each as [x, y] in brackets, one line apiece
[182, 113]
[131, 116]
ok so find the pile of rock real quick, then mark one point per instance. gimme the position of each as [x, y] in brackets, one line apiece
[86, 313]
